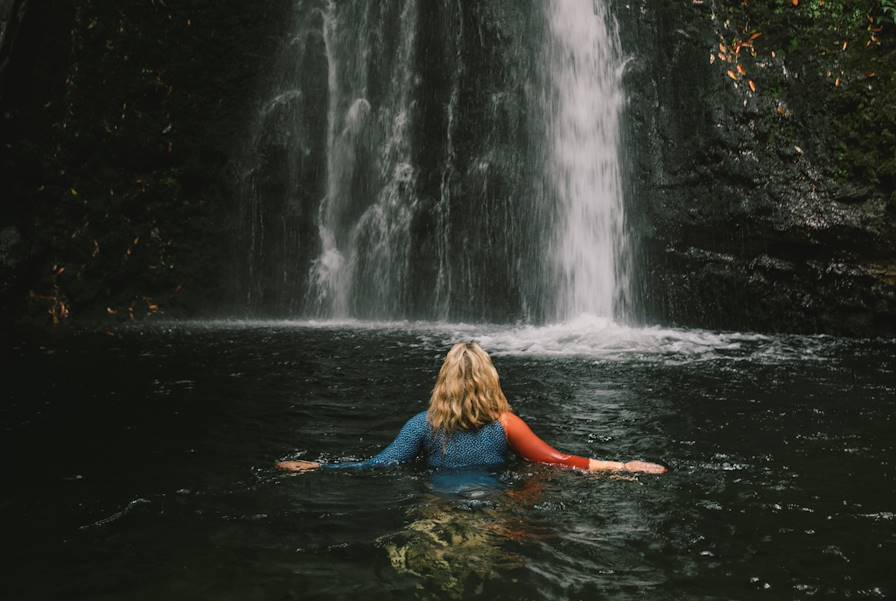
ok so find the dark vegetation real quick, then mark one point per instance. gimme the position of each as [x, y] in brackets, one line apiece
[119, 121]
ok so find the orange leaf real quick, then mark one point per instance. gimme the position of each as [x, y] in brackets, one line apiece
[755, 36]
[731, 74]
[752, 85]
[741, 70]
[794, 3]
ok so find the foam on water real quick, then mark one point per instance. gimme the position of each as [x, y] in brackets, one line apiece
[586, 337]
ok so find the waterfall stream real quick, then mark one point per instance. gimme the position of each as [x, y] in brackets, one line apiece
[441, 160]
[582, 113]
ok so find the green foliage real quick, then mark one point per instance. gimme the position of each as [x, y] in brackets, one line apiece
[888, 11]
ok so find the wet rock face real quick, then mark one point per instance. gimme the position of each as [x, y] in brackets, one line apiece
[761, 174]
[118, 123]
[761, 165]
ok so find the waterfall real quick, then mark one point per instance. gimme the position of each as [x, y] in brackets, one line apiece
[441, 160]
[582, 111]
[365, 234]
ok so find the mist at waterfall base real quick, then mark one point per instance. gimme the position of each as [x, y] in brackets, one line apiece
[139, 465]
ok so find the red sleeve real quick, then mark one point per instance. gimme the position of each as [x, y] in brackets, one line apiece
[524, 441]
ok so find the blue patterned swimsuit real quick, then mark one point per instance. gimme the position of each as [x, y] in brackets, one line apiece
[486, 446]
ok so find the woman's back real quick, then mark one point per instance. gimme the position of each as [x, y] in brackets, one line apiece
[485, 446]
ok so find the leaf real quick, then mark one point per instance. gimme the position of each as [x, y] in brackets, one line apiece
[741, 70]
[755, 36]
[111, 311]
[752, 85]
[731, 74]
[794, 3]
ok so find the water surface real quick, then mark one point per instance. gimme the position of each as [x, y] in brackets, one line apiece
[139, 465]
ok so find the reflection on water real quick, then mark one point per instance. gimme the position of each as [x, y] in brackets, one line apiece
[453, 548]
[139, 464]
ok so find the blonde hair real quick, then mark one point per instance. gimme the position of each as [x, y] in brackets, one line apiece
[467, 394]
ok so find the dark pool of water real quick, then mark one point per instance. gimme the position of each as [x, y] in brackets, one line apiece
[139, 465]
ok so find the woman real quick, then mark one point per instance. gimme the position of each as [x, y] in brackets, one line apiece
[470, 423]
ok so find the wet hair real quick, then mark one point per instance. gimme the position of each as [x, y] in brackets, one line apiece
[467, 394]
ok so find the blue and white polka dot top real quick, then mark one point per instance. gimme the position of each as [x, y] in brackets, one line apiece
[486, 446]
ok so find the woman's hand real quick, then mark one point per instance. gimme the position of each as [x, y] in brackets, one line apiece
[644, 467]
[297, 466]
[595, 465]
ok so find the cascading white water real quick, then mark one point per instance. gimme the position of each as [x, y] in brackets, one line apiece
[583, 107]
[364, 253]
[439, 161]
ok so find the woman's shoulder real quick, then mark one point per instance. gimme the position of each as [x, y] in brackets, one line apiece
[507, 418]
[420, 419]
[513, 424]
